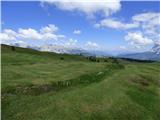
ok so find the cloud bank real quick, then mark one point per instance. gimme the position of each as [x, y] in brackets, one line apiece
[45, 33]
[104, 7]
[142, 30]
[138, 39]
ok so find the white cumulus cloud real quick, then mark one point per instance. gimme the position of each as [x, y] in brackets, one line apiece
[150, 23]
[8, 34]
[49, 29]
[29, 34]
[145, 17]
[111, 23]
[137, 39]
[91, 45]
[45, 33]
[77, 32]
[106, 7]
[147, 23]
[71, 42]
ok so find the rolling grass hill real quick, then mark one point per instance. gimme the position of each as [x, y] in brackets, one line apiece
[48, 86]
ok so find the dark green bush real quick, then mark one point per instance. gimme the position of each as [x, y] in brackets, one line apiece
[61, 58]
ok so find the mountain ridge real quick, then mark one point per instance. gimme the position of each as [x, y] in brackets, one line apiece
[153, 54]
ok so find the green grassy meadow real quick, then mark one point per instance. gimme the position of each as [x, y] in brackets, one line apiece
[43, 86]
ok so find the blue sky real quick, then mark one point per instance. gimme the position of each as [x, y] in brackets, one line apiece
[116, 32]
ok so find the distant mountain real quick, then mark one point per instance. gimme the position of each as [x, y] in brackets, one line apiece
[156, 48]
[60, 49]
[72, 50]
[96, 53]
[153, 54]
[142, 56]
[65, 49]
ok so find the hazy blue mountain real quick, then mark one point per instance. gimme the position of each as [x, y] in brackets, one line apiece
[143, 56]
[153, 54]
[156, 48]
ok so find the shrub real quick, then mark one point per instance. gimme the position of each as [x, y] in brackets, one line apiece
[92, 58]
[105, 60]
[61, 58]
[13, 48]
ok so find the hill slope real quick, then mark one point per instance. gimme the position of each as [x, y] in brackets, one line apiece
[38, 85]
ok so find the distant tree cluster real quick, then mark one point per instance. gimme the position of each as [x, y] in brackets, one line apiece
[110, 59]
[93, 59]
[114, 60]
[13, 48]
[136, 60]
